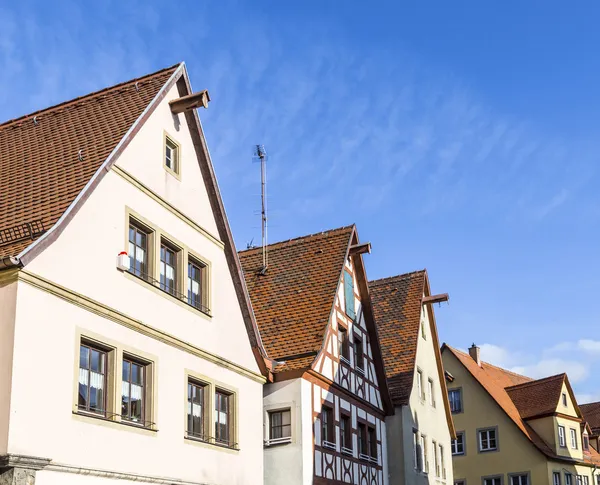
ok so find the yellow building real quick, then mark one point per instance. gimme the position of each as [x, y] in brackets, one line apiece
[513, 430]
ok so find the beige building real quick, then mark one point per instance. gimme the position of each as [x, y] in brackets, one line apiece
[326, 402]
[128, 352]
[419, 432]
[515, 430]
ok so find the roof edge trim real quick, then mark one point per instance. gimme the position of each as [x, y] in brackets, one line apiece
[31, 251]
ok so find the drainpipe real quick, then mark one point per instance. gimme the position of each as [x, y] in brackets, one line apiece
[10, 262]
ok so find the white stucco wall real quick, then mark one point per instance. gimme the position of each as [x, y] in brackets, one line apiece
[283, 463]
[420, 415]
[8, 301]
[83, 260]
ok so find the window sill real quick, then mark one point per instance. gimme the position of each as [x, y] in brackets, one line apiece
[360, 370]
[491, 450]
[345, 360]
[115, 420]
[347, 451]
[152, 284]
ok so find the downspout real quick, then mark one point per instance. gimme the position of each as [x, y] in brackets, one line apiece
[10, 262]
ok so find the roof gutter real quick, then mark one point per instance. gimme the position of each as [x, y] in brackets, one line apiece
[10, 262]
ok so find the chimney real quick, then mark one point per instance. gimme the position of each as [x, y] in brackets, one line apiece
[474, 352]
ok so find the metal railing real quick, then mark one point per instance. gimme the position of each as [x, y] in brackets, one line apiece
[170, 291]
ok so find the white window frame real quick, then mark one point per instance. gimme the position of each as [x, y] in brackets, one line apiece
[430, 392]
[420, 384]
[562, 436]
[454, 444]
[487, 431]
[523, 478]
[573, 433]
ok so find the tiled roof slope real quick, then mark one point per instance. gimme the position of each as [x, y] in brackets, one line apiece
[591, 413]
[397, 308]
[40, 170]
[293, 300]
[538, 397]
[495, 380]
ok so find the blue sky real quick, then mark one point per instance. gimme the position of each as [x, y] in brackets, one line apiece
[459, 136]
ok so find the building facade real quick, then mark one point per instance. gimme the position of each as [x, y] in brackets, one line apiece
[325, 407]
[421, 429]
[515, 430]
[128, 350]
[591, 414]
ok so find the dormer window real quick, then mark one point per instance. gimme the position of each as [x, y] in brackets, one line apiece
[171, 156]
[586, 443]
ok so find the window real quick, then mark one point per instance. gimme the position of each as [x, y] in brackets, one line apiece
[327, 425]
[492, 481]
[346, 433]
[363, 449]
[573, 438]
[138, 251]
[455, 398]
[564, 399]
[586, 481]
[556, 478]
[171, 155]
[458, 445]
[459, 482]
[562, 440]
[196, 285]
[442, 462]
[133, 392]
[280, 426]
[586, 443]
[416, 451]
[436, 462]
[349, 294]
[92, 379]
[423, 333]
[424, 458]
[343, 343]
[579, 480]
[223, 424]
[519, 479]
[488, 440]
[372, 438]
[359, 353]
[168, 268]
[420, 384]
[430, 395]
[568, 479]
[196, 409]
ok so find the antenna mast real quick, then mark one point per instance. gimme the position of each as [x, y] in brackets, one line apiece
[262, 156]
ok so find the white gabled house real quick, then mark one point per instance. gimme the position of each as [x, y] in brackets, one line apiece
[128, 352]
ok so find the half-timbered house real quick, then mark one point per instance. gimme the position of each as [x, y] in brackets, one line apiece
[325, 405]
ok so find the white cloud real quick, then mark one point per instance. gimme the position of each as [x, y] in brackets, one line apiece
[586, 397]
[500, 356]
[576, 371]
[592, 346]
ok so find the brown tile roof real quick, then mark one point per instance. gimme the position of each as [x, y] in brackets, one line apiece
[40, 170]
[591, 413]
[293, 300]
[497, 382]
[397, 309]
[536, 398]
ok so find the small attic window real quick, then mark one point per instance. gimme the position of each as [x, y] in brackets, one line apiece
[564, 399]
[172, 156]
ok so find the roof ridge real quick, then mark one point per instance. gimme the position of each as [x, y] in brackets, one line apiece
[590, 403]
[79, 99]
[535, 381]
[492, 365]
[381, 281]
[296, 239]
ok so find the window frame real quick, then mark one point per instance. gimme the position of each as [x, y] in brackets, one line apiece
[345, 433]
[203, 268]
[420, 389]
[93, 346]
[372, 442]
[350, 310]
[194, 382]
[436, 462]
[460, 400]
[343, 343]
[168, 246]
[430, 392]
[568, 478]
[359, 357]
[143, 364]
[573, 441]
[327, 426]
[519, 475]
[148, 263]
[230, 413]
[562, 437]
[480, 441]
[564, 399]
[362, 440]
[283, 438]
[175, 147]
[492, 477]
[585, 442]
[464, 447]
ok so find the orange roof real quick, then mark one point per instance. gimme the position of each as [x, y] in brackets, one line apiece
[591, 413]
[529, 399]
[41, 172]
[294, 299]
[537, 398]
[397, 309]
